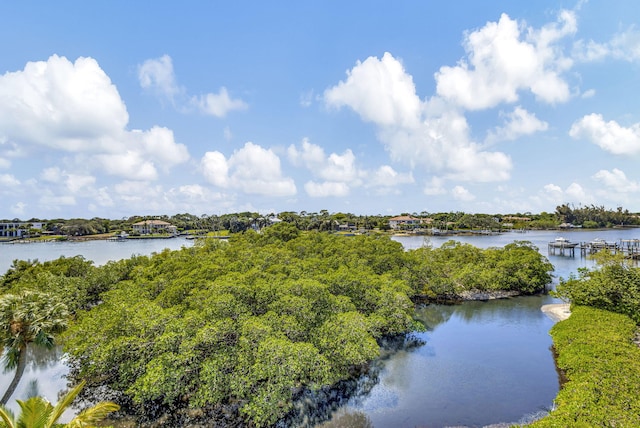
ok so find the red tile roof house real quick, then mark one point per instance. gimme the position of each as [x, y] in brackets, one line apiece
[404, 221]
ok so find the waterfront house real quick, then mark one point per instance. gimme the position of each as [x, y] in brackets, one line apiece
[17, 229]
[404, 222]
[148, 227]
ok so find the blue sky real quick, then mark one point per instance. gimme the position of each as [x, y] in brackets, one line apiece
[112, 109]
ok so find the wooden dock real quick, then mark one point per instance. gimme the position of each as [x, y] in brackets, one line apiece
[562, 247]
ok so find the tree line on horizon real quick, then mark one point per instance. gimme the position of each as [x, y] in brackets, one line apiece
[565, 215]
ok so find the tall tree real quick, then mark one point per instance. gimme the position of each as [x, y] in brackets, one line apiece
[27, 317]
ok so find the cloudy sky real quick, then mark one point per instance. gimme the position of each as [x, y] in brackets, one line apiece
[111, 109]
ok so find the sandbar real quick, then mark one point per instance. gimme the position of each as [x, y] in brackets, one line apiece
[557, 311]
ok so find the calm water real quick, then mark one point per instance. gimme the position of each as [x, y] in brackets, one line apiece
[482, 362]
[98, 251]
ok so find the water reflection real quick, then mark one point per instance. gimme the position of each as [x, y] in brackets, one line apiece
[39, 358]
[348, 419]
[434, 315]
[482, 363]
[44, 375]
[32, 388]
[100, 252]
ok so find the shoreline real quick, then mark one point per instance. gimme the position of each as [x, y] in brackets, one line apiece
[557, 311]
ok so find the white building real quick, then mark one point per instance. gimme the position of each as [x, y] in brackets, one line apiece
[18, 229]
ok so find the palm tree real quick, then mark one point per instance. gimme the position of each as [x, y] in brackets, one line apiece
[37, 412]
[27, 317]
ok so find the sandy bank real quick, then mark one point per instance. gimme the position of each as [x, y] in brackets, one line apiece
[557, 311]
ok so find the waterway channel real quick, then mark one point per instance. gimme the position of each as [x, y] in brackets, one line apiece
[480, 363]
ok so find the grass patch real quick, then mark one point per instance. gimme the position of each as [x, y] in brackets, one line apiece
[596, 351]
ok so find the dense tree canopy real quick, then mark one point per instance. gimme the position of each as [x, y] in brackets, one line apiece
[73, 280]
[614, 286]
[252, 321]
[593, 216]
[454, 268]
[250, 324]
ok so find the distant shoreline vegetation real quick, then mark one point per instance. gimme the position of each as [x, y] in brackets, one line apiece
[565, 217]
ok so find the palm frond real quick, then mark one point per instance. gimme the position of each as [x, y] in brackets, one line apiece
[11, 358]
[91, 416]
[35, 412]
[29, 317]
[7, 417]
[64, 403]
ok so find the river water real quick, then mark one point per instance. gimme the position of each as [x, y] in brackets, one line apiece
[481, 362]
[99, 251]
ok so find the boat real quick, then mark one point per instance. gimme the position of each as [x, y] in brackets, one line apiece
[562, 242]
[120, 237]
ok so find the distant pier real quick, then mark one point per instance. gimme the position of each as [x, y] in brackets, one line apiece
[563, 247]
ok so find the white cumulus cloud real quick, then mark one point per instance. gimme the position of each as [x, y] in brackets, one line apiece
[71, 106]
[573, 194]
[131, 165]
[18, 208]
[219, 104]
[251, 169]
[380, 91]
[434, 187]
[73, 183]
[553, 191]
[577, 193]
[506, 57]
[459, 193]
[309, 155]
[215, 168]
[74, 107]
[159, 144]
[386, 176]
[517, 123]
[610, 136]
[624, 45]
[589, 93]
[431, 134]
[103, 198]
[617, 181]
[340, 173]
[8, 181]
[158, 75]
[326, 189]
